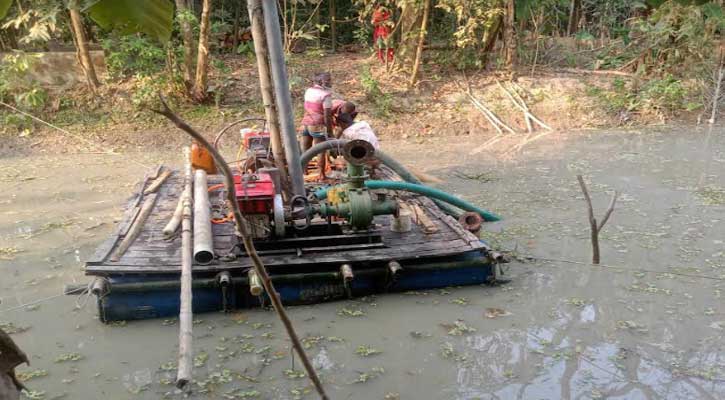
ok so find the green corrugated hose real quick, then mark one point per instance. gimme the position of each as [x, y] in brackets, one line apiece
[425, 191]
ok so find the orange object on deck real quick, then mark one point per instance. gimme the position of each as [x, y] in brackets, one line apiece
[202, 159]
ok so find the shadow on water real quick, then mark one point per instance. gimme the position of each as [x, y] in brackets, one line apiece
[557, 330]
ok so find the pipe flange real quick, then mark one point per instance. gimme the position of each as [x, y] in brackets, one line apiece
[358, 152]
[471, 221]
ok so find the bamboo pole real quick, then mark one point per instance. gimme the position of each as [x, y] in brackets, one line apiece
[175, 220]
[265, 82]
[242, 226]
[186, 364]
[718, 83]
[135, 230]
[156, 184]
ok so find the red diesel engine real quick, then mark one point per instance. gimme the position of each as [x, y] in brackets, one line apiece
[255, 141]
[255, 196]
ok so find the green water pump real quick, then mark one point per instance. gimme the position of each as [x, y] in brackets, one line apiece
[353, 201]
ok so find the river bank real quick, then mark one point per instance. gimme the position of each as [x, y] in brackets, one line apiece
[117, 117]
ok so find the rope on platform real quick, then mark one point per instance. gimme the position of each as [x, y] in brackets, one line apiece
[69, 133]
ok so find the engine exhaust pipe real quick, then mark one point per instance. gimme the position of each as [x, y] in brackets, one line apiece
[203, 242]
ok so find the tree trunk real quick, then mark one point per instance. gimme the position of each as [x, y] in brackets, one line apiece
[84, 56]
[489, 39]
[235, 30]
[333, 26]
[421, 42]
[410, 18]
[510, 34]
[574, 14]
[187, 37]
[198, 93]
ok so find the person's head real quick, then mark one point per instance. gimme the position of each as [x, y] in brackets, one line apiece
[323, 79]
[347, 114]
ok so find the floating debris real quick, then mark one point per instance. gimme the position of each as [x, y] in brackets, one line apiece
[420, 335]
[711, 195]
[8, 253]
[461, 301]
[69, 357]
[200, 359]
[495, 313]
[577, 302]
[449, 353]
[632, 326]
[458, 328]
[311, 341]
[34, 394]
[366, 376]
[366, 351]
[28, 375]
[294, 374]
[10, 328]
[347, 312]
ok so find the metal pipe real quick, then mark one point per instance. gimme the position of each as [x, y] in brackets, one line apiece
[265, 83]
[282, 96]
[203, 244]
[224, 279]
[99, 287]
[394, 268]
[384, 158]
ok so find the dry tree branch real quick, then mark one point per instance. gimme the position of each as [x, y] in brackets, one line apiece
[594, 227]
[243, 228]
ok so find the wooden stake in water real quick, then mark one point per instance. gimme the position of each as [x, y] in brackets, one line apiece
[596, 228]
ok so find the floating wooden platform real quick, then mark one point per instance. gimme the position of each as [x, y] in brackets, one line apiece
[436, 236]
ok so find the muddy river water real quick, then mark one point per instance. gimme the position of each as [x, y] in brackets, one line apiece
[648, 324]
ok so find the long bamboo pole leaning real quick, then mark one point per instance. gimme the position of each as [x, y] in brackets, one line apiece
[243, 229]
[184, 370]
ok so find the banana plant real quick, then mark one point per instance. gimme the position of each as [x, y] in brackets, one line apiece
[153, 17]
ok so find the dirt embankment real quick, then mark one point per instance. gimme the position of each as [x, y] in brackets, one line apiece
[438, 106]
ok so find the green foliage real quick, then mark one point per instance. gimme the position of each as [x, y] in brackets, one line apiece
[666, 96]
[381, 101]
[679, 39]
[147, 88]
[17, 82]
[475, 18]
[40, 22]
[133, 55]
[246, 48]
[220, 66]
[152, 17]
[4, 7]
[661, 97]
